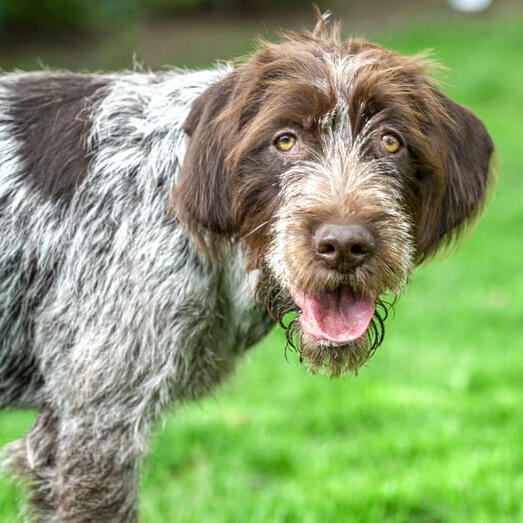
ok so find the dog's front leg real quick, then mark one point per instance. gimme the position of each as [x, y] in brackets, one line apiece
[79, 469]
[96, 471]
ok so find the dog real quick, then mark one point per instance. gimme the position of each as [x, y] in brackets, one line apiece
[154, 226]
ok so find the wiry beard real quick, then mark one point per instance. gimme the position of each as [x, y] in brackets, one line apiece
[322, 356]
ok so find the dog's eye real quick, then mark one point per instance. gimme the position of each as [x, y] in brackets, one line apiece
[285, 142]
[390, 143]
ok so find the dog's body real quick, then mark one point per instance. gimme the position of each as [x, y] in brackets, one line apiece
[139, 214]
[123, 265]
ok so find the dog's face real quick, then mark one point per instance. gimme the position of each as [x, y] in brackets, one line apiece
[340, 167]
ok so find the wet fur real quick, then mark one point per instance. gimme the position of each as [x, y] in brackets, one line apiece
[335, 360]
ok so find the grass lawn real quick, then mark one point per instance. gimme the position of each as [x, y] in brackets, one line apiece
[432, 429]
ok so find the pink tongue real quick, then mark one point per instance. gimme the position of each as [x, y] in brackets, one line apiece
[340, 315]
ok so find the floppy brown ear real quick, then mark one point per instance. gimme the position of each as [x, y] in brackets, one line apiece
[201, 198]
[454, 192]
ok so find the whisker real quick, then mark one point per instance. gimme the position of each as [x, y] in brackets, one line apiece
[256, 228]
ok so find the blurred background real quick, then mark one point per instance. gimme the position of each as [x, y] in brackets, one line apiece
[431, 430]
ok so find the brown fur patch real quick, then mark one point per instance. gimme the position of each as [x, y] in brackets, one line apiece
[46, 106]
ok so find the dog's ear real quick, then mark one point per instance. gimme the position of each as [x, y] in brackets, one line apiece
[201, 198]
[453, 189]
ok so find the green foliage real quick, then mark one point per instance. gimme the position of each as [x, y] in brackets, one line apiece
[430, 431]
[176, 6]
[44, 15]
[58, 17]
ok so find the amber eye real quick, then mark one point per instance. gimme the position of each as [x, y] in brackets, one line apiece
[285, 142]
[390, 143]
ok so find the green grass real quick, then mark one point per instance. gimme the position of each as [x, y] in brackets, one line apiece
[432, 429]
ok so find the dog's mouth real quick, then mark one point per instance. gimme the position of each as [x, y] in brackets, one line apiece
[339, 316]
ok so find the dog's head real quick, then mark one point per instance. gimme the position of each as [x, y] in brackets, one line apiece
[340, 166]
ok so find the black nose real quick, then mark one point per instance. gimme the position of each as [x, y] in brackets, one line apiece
[343, 246]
